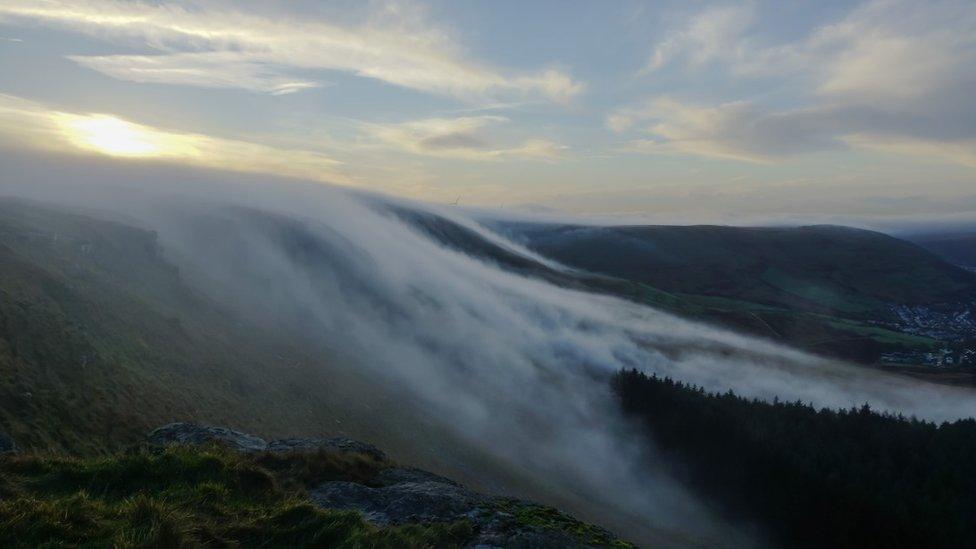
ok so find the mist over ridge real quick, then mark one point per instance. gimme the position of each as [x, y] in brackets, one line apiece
[506, 362]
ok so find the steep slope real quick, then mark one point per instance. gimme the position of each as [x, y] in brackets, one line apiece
[102, 338]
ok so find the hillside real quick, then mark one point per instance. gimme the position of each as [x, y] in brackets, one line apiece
[823, 269]
[104, 338]
[844, 292]
[958, 249]
[101, 338]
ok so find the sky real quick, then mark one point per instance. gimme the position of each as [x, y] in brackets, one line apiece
[612, 107]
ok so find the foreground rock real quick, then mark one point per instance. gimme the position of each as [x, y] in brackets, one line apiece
[412, 496]
[189, 433]
[395, 496]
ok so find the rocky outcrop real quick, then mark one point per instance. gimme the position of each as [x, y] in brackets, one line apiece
[340, 444]
[7, 445]
[411, 496]
[403, 496]
[396, 496]
[189, 433]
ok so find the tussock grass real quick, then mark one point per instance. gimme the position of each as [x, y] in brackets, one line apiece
[186, 497]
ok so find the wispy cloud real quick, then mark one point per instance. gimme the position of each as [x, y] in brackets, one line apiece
[892, 76]
[715, 33]
[194, 45]
[467, 137]
[34, 125]
[736, 130]
[222, 69]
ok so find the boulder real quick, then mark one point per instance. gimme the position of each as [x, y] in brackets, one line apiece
[410, 498]
[395, 495]
[188, 433]
[337, 444]
[413, 496]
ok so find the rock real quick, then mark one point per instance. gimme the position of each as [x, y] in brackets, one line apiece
[338, 444]
[7, 445]
[410, 498]
[188, 433]
[398, 475]
[397, 495]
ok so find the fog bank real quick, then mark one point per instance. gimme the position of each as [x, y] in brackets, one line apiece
[513, 366]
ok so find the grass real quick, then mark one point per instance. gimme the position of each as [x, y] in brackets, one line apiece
[192, 497]
[823, 292]
[886, 336]
[102, 339]
[212, 496]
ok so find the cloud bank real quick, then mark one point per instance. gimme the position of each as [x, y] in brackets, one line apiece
[512, 366]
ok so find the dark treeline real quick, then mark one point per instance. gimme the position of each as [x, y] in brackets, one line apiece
[814, 478]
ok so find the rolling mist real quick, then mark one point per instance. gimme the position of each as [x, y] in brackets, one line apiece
[512, 367]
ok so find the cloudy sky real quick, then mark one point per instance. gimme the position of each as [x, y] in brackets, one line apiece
[819, 107]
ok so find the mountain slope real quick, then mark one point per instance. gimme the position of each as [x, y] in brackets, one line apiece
[843, 292]
[101, 338]
[958, 249]
[818, 269]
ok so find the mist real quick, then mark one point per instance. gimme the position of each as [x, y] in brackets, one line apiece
[513, 367]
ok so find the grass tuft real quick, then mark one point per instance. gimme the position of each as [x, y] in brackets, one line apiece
[186, 497]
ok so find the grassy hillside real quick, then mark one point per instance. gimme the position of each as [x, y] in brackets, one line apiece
[102, 338]
[186, 497]
[959, 249]
[821, 269]
[826, 289]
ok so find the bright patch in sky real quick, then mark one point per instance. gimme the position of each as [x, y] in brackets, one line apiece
[110, 135]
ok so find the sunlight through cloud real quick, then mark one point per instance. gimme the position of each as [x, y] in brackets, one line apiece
[110, 135]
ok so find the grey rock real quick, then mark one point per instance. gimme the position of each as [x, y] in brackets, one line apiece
[188, 433]
[7, 445]
[413, 500]
[414, 496]
[395, 495]
[398, 475]
[338, 444]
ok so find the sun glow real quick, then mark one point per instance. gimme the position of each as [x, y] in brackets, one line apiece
[37, 126]
[111, 135]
